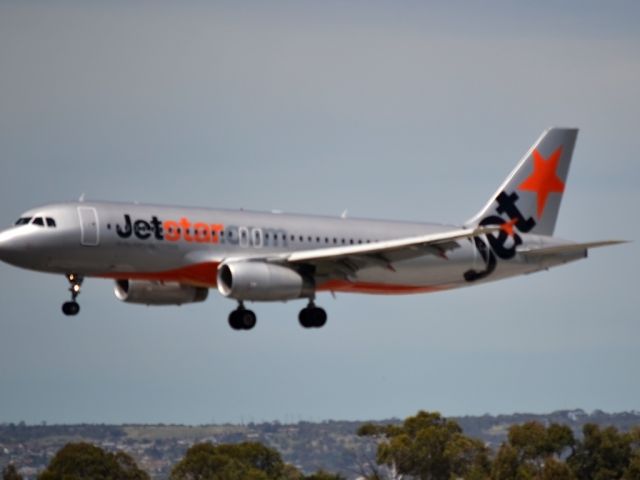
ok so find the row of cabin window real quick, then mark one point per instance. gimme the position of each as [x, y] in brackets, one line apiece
[326, 240]
[291, 237]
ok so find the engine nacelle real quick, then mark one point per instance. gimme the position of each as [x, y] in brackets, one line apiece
[261, 281]
[158, 293]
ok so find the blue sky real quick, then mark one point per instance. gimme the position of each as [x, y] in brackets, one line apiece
[408, 110]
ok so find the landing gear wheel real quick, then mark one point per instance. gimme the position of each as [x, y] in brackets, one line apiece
[70, 308]
[75, 283]
[234, 321]
[320, 317]
[247, 319]
[242, 319]
[312, 317]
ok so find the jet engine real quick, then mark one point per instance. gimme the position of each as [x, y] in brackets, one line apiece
[158, 293]
[261, 281]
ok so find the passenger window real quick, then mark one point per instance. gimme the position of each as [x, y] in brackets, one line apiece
[51, 222]
[38, 221]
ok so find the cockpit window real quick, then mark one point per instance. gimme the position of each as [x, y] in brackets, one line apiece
[23, 220]
[50, 222]
[38, 221]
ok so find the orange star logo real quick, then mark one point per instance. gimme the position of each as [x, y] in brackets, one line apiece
[508, 227]
[544, 179]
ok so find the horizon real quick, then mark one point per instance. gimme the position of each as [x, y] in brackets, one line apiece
[326, 420]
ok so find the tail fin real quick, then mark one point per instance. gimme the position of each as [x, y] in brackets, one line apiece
[530, 196]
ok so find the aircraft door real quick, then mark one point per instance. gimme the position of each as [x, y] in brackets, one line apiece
[89, 235]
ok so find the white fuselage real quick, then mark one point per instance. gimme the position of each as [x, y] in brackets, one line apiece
[186, 245]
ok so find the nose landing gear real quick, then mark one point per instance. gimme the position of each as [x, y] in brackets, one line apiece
[75, 284]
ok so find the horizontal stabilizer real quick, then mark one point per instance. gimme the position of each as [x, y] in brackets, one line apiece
[568, 248]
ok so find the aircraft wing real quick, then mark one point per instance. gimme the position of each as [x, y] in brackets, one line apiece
[567, 248]
[350, 258]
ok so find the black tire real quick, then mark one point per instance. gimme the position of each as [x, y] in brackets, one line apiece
[247, 319]
[242, 319]
[303, 318]
[307, 317]
[319, 317]
[234, 321]
[70, 308]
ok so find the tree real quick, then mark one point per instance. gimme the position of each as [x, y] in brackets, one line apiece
[79, 461]
[506, 465]
[535, 443]
[429, 447]
[602, 454]
[128, 467]
[322, 475]
[10, 473]
[243, 461]
[556, 470]
[632, 471]
[533, 451]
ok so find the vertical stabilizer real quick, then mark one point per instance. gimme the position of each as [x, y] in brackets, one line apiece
[530, 196]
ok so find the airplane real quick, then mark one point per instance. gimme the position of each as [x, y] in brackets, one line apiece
[168, 255]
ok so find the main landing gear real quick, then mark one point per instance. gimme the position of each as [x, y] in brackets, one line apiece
[75, 283]
[312, 316]
[242, 319]
[309, 317]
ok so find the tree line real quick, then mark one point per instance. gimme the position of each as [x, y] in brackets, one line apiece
[430, 447]
[426, 446]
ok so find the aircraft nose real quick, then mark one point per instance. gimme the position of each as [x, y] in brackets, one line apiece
[9, 245]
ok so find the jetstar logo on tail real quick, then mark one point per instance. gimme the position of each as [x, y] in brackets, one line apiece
[505, 244]
[542, 181]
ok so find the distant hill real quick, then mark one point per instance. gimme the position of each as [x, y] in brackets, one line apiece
[331, 445]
